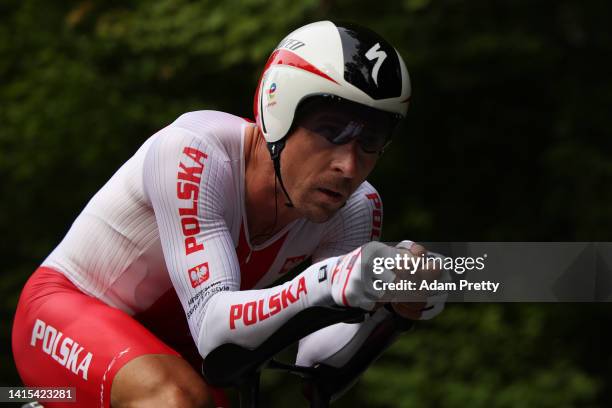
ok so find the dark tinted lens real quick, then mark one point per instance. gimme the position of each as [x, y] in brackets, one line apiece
[340, 122]
[372, 141]
[326, 127]
[349, 131]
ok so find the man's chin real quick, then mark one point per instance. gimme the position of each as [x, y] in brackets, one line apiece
[320, 214]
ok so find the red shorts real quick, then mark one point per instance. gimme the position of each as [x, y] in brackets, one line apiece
[65, 338]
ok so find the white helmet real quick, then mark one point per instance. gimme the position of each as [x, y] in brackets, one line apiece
[342, 60]
[344, 63]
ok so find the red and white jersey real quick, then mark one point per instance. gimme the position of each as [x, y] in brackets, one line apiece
[173, 218]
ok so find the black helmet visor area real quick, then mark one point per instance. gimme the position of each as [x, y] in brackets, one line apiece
[341, 121]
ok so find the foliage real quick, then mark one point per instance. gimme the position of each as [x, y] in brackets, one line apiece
[507, 139]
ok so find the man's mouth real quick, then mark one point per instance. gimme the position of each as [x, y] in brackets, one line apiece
[334, 195]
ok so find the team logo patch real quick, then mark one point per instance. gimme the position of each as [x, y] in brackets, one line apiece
[199, 274]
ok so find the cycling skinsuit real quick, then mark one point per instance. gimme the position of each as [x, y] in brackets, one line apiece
[160, 262]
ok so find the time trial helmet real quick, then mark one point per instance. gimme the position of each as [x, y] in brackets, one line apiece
[347, 72]
[332, 62]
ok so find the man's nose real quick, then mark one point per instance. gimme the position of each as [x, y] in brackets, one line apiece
[346, 159]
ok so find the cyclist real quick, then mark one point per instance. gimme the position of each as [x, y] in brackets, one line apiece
[174, 256]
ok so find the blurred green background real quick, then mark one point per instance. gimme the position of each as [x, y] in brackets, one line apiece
[508, 139]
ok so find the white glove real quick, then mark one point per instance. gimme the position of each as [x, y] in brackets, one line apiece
[434, 302]
[352, 285]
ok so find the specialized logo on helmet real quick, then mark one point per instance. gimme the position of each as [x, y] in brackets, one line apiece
[375, 53]
[371, 64]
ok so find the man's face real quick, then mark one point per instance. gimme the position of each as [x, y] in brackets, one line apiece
[320, 176]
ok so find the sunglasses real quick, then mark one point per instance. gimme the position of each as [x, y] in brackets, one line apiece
[341, 122]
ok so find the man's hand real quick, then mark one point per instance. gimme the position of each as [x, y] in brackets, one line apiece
[353, 285]
[431, 305]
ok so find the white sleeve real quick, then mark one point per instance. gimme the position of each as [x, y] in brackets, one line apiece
[335, 345]
[188, 181]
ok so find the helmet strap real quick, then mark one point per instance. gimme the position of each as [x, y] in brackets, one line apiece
[275, 149]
